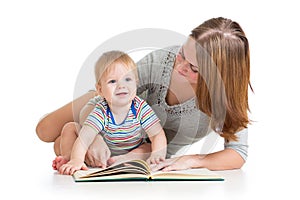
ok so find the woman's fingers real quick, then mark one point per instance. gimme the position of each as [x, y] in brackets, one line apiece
[162, 165]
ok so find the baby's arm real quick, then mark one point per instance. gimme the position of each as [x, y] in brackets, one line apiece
[158, 144]
[82, 143]
[98, 152]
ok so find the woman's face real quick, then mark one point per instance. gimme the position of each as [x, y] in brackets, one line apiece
[186, 63]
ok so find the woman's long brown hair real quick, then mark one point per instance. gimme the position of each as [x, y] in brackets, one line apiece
[224, 64]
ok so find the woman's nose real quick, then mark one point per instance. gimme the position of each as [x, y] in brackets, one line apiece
[185, 66]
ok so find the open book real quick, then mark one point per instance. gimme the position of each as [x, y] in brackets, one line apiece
[139, 170]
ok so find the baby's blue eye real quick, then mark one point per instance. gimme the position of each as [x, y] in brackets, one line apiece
[128, 79]
[112, 81]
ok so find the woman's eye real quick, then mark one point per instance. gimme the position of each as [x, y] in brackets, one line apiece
[194, 68]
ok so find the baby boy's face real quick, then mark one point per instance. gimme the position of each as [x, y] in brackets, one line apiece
[118, 86]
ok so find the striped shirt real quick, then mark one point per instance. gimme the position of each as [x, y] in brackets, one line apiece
[123, 137]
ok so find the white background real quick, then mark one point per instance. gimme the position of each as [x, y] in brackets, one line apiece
[43, 45]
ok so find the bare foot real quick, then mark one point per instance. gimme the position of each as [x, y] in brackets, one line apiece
[58, 162]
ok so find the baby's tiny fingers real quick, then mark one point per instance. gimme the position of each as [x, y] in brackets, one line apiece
[72, 170]
[157, 160]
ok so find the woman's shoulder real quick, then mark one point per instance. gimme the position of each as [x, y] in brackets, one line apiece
[159, 55]
[95, 100]
[171, 50]
[99, 102]
[155, 69]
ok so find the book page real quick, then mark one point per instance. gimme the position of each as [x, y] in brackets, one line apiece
[189, 174]
[132, 168]
[120, 177]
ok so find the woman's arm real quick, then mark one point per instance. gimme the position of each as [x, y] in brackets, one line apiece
[222, 160]
[49, 128]
[233, 156]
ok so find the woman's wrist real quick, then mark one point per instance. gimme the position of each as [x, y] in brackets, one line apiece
[197, 161]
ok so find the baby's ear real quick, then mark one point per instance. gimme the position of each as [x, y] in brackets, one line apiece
[98, 88]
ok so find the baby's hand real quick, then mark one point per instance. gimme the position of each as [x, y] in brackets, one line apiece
[71, 167]
[98, 153]
[156, 158]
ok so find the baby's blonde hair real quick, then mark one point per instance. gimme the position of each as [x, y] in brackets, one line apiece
[108, 59]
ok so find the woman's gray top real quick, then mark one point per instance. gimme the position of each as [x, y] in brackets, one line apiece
[184, 124]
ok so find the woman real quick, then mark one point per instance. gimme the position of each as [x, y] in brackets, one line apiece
[199, 87]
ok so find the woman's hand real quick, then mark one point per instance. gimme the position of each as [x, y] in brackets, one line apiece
[178, 163]
[98, 153]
